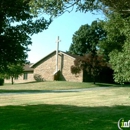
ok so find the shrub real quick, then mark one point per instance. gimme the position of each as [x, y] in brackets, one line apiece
[38, 78]
[1, 81]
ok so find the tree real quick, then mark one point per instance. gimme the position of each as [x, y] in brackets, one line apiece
[58, 7]
[115, 38]
[13, 71]
[120, 62]
[116, 46]
[93, 64]
[121, 6]
[17, 24]
[87, 38]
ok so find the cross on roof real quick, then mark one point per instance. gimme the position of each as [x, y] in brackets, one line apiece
[57, 50]
[58, 40]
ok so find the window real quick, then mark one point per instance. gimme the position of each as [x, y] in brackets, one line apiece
[25, 76]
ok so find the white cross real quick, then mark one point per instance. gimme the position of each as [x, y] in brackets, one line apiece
[57, 50]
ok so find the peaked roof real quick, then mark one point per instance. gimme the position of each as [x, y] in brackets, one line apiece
[53, 52]
[27, 67]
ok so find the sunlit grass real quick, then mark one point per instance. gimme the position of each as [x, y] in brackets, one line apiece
[54, 85]
[92, 109]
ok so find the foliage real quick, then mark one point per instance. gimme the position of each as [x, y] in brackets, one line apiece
[12, 71]
[117, 46]
[87, 38]
[17, 24]
[1, 81]
[75, 69]
[38, 78]
[120, 62]
[58, 7]
[93, 64]
[115, 37]
[121, 6]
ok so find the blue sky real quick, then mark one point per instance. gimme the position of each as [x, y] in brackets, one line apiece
[64, 27]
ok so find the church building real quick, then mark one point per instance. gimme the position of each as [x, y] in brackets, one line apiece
[49, 68]
[49, 71]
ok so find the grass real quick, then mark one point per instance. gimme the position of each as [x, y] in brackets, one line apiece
[61, 117]
[47, 86]
[98, 109]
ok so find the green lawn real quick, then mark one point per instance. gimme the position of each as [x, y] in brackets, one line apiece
[94, 109]
[55, 85]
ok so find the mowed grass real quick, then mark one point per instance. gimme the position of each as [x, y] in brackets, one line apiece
[93, 109]
[46, 86]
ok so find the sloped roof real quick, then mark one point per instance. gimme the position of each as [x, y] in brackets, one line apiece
[60, 52]
[27, 67]
[71, 55]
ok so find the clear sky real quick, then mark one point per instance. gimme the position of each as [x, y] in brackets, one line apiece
[64, 27]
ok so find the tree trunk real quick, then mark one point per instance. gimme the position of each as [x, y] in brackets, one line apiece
[94, 79]
[12, 80]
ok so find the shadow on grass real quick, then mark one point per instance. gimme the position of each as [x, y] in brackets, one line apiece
[111, 85]
[105, 85]
[2, 91]
[30, 82]
[61, 117]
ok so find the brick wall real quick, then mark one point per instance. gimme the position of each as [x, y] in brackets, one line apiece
[47, 67]
[66, 63]
[21, 80]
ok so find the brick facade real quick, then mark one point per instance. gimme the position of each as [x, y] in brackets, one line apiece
[66, 62]
[21, 78]
[46, 67]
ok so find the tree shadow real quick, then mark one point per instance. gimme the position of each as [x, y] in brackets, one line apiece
[105, 85]
[3, 91]
[29, 82]
[61, 117]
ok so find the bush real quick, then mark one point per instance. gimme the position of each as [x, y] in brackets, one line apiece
[1, 82]
[38, 78]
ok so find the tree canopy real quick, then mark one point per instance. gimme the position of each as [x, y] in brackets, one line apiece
[17, 24]
[13, 71]
[87, 38]
[92, 63]
[115, 37]
[58, 7]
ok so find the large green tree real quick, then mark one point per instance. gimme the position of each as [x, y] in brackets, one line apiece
[119, 59]
[116, 46]
[91, 63]
[17, 24]
[115, 38]
[121, 6]
[87, 38]
[58, 7]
